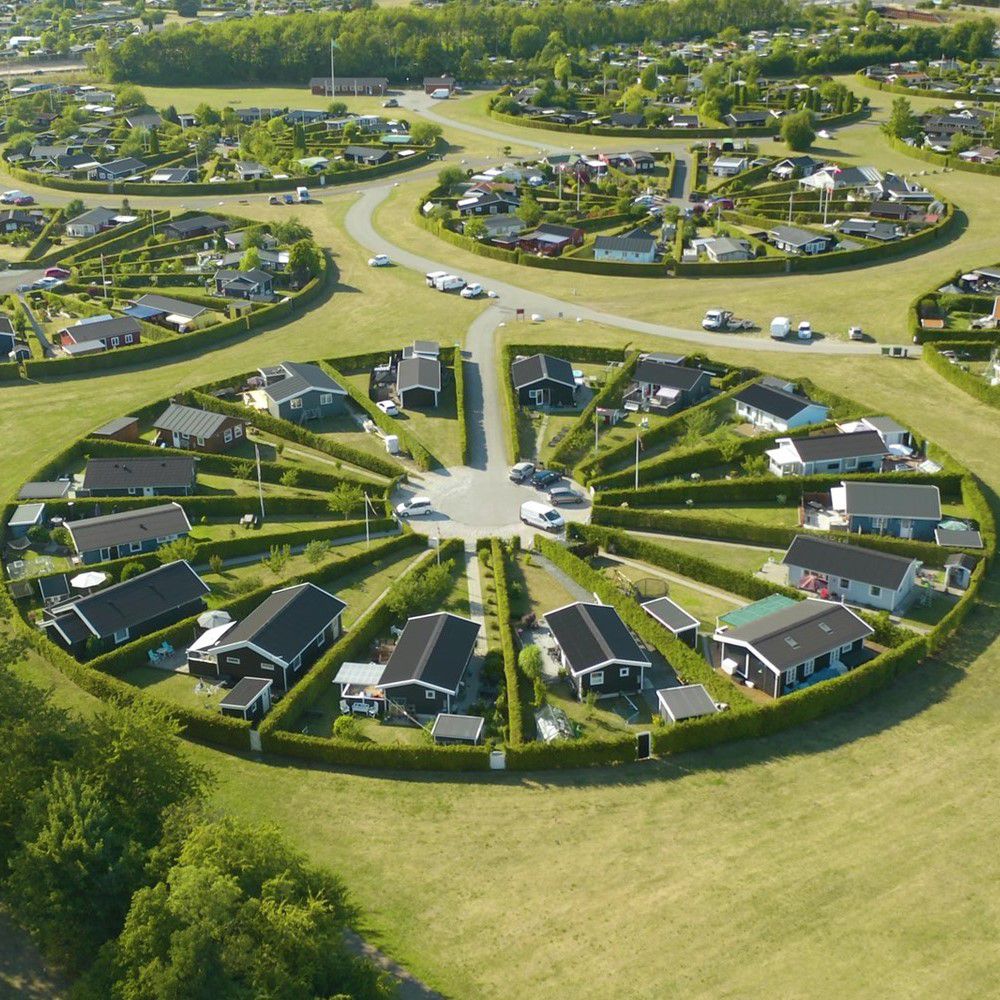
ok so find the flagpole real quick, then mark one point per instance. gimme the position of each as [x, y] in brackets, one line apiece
[333, 75]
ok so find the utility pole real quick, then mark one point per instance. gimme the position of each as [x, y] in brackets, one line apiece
[367, 535]
[260, 488]
[333, 72]
[791, 195]
[104, 278]
[637, 458]
[595, 431]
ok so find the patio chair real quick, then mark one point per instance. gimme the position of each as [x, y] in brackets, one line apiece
[154, 656]
[166, 649]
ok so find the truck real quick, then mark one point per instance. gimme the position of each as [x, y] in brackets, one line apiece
[302, 193]
[722, 321]
[449, 283]
[781, 327]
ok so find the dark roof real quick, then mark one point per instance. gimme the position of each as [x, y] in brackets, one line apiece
[140, 525]
[165, 304]
[137, 473]
[285, 622]
[633, 242]
[796, 236]
[127, 164]
[527, 371]
[893, 500]
[44, 491]
[823, 447]
[686, 702]
[114, 426]
[366, 152]
[776, 402]
[245, 692]
[128, 604]
[962, 559]
[53, 586]
[196, 224]
[102, 329]
[300, 378]
[418, 373]
[800, 632]
[591, 635]
[553, 229]
[190, 420]
[96, 216]
[967, 539]
[669, 614]
[853, 562]
[649, 369]
[255, 276]
[433, 650]
[458, 727]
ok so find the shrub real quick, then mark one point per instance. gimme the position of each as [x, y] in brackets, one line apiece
[132, 568]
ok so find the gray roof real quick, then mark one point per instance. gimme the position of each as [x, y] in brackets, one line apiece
[592, 635]
[656, 372]
[434, 651]
[418, 373]
[255, 276]
[527, 371]
[245, 692]
[140, 525]
[114, 426]
[795, 236]
[190, 421]
[853, 562]
[686, 702]
[44, 491]
[138, 473]
[168, 305]
[285, 622]
[300, 378]
[670, 615]
[636, 241]
[960, 539]
[885, 425]
[962, 559]
[773, 401]
[102, 329]
[826, 447]
[892, 500]
[458, 727]
[800, 632]
[196, 224]
[94, 216]
[127, 164]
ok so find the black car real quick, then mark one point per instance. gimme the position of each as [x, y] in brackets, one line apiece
[544, 478]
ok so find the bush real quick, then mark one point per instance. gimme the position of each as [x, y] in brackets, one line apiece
[132, 568]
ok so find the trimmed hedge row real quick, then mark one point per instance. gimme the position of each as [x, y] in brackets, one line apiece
[518, 714]
[201, 506]
[463, 417]
[975, 385]
[423, 458]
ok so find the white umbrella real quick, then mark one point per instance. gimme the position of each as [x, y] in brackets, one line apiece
[212, 619]
[84, 581]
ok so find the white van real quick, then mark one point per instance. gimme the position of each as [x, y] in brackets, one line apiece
[541, 515]
[432, 277]
[449, 283]
[302, 193]
[414, 507]
[441, 94]
[781, 327]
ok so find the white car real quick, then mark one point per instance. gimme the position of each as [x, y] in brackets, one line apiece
[388, 407]
[379, 260]
[823, 134]
[472, 291]
[856, 333]
[414, 507]
[492, 294]
[805, 331]
[49, 282]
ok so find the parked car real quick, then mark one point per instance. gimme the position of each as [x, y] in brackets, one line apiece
[390, 103]
[48, 283]
[414, 507]
[805, 330]
[56, 272]
[24, 199]
[388, 407]
[379, 260]
[522, 471]
[472, 291]
[541, 515]
[855, 333]
[544, 478]
[288, 199]
[274, 200]
[563, 496]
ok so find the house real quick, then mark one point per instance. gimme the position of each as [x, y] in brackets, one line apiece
[129, 610]
[689, 701]
[895, 211]
[801, 643]
[896, 509]
[253, 284]
[302, 392]
[746, 119]
[792, 239]
[550, 239]
[597, 649]
[959, 567]
[542, 380]
[851, 573]
[637, 161]
[182, 426]
[502, 227]
[634, 247]
[729, 166]
[118, 429]
[169, 475]
[893, 434]
[197, 225]
[773, 408]
[127, 532]
[99, 333]
[794, 167]
[674, 619]
[144, 119]
[115, 170]
[870, 229]
[13, 220]
[626, 119]
[25, 517]
[661, 383]
[92, 222]
[279, 640]
[423, 349]
[164, 310]
[834, 178]
[45, 490]
[489, 203]
[861, 451]
[724, 249]
[466, 730]
[353, 86]
[174, 175]
[418, 381]
[367, 156]
[684, 121]
[250, 699]
[432, 83]
[427, 667]
[9, 343]
[249, 170]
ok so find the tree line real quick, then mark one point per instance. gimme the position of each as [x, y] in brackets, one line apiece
[113, 861]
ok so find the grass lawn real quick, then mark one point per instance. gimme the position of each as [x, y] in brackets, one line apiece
[742, 557]
[758, 514]
[241, 96]
[540, 591]
[174, 687]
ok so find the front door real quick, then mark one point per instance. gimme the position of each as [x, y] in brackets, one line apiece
[906, 528]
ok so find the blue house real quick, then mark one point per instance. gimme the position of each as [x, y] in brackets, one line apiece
[902, 511]
[129, 532]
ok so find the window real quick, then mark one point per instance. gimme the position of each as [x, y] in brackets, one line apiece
[128, 338]
[238, 431]
[878, 523]
[790, 677]
[115, 341]
[233, 659]
[850, 463]
[597, 678]
[875, 591]
[105, 553]
[807, 667]
[227, 436]
[844, 582]
[268, 667]
[823, 627]
[135, 546]
[326, 399]
[201, 442]
[430, 695]
[121, 636]
[623, 671]
[296, 404]
[321, 640]
[791, 641]
[131, 491]
[847, 648]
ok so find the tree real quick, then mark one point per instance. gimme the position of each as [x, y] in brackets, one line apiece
[754, 465]
[425, 133]
[648, 77]
[345, 499]
[421, 592]
[530, 212]
[290, 478]
[902, 123]
[449, 176]
[475, 229]
[182, 548]
[187, 8]
[250, 259]
[277, 558]
[345, 727]
[698, 425]
[131, 569]
[74, 208]
[304, 260]
[316, 551]
[562, 70]
[128, 96]
[215, 563]
[797, 130]
[960, 142]
[290, 231]
[526, 40]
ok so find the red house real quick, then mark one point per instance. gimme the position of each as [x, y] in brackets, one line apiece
[550, 240]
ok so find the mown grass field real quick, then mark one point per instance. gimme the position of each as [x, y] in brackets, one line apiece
[854, 857]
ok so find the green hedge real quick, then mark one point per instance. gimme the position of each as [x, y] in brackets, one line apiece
[37, 249]
[519, 729]
[463, 417]
[975, 385]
